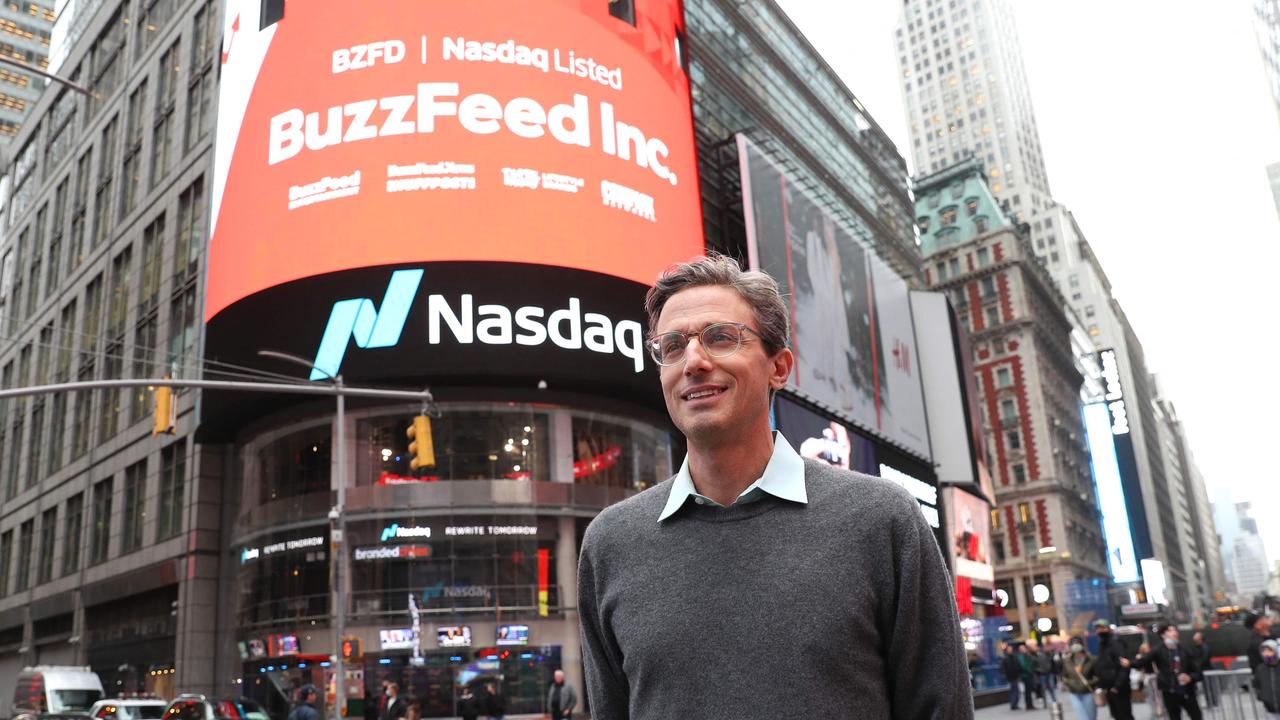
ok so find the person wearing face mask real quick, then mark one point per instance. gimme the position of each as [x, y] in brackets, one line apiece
[1177, 673]
[1079, 680]
[1112, 669]
[1266, 678]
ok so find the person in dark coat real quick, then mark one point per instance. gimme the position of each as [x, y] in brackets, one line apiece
[1177, 672]
[395, 706]
[468, 704]
[1112, 670]
[1266, 677]
[1012, 671]
[494, 703]
[561, 697]
[1260, 626]
[306, 707]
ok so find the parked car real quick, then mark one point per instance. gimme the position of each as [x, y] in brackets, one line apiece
[51, 691]
[128, 709]
[190, 706]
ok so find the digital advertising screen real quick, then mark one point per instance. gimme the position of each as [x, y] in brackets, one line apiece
[454, 636]
[820, 438]
[968, 521]
[478, 192]
[852, 333]
[513, 635]
[1121, 558]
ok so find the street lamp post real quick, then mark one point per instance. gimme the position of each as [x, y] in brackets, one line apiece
[337, 532]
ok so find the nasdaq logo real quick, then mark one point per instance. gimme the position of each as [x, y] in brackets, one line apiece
[370, 327]
[467, 322]
[395, 530]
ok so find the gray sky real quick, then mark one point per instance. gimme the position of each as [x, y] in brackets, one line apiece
[1156, 128]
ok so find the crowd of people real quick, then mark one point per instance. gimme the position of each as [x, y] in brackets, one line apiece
[1172, 672]
[488, 702]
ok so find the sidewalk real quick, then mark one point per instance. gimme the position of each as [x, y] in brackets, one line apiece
[1141, 711]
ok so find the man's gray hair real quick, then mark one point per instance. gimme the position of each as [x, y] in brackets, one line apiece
[758, 289]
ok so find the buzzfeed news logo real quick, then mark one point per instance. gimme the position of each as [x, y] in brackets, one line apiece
[380, 327]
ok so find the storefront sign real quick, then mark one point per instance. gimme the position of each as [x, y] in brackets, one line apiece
[392, 552]
[1139, 609]
[465, 530]
[454, 636]
[924, 493]
[1114, 392]
[254, 553]
[396, 532]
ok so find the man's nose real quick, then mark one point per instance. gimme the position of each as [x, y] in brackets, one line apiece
[696, 361]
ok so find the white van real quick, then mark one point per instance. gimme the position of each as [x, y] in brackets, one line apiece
[61, 690]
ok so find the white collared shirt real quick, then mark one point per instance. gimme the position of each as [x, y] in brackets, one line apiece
[783, 478]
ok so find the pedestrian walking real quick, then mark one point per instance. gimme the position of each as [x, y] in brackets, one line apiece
[1266, 678]
[494, 703]
[1204, 655]
[1260, 627]
[1079, 682]
[837, 572]
[468, 704]
[305, 709]
[1042, 664]
[1177, 673]
[561, 697]
[1112, 669]
[1011, 668]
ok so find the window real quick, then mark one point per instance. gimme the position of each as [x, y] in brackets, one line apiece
[135, 499]
[106, 184]
[988, 285]
[971, 207]
[100, 528]
[162, 133]
[984, 257]
[132, 171]
[942, 271]
[145, 335]
[121, 266]
[173, 470]
[954, 266]
[54, 273]
[997, 549]
[1004, 378]
[108, 53]
[980, 223]
[1024, 509]
[204, 41]
[1008, 412]
[1053, 256]
[923, 223]
[1020, 476]
[1088, 311]
[155, 15]
[71, 534]
[48, 535]
[948, 216]
[76, 250]
[190, 240]
[182, 326]
[995, 519]
[26, 536]
[6, 557]
[1015, 440]
[152, 245]
[993, 316]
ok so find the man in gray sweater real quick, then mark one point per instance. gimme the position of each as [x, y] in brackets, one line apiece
[754, 583]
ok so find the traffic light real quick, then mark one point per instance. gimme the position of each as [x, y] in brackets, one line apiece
[165, 418]
[351, 649]
[421, 452]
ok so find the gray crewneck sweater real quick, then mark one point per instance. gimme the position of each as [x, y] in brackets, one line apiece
[841, 608]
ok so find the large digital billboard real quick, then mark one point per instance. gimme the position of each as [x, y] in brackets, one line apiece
[546, 132]
[969, 535]
[851, 315]
[1121, 557]
[822, 438]
[454, 193]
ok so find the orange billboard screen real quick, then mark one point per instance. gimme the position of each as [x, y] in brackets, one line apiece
[358, 135]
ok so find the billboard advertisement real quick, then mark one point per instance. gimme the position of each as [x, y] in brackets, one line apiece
[821, 438]
[968, 520]
[850, 313]
[1121, 558]
[545, 132]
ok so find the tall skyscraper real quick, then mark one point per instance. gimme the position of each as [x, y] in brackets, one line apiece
[1250, 555]
[966, 95]
[24, 40]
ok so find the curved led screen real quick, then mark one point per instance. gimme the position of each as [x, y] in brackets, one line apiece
[545, 132]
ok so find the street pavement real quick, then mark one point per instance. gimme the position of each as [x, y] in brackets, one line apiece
[1141, 711]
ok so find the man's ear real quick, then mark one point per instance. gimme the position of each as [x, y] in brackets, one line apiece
[781, 365]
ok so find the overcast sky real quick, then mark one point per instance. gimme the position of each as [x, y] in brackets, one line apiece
[1156, 128]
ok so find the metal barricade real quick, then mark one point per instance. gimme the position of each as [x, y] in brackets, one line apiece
[1229, 695]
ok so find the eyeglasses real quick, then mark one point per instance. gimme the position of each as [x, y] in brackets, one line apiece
[718, 340]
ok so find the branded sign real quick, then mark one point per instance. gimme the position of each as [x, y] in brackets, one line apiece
[1140, 609]
[1114, 392]
[545, 132]
[491, 324]
[925, 494]
[822, 438]
[392, 552]
[1154, 582]
[396, 639]
[465, 530]
[254, 553]
[1121, 557]
[969, 532]
[852, 331]
[454, 636]
[395, 531]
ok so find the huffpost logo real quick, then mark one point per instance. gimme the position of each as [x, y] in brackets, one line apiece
[568, 327]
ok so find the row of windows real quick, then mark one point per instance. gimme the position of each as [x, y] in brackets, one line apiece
[161, 492]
